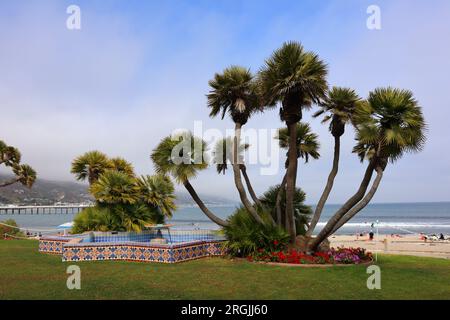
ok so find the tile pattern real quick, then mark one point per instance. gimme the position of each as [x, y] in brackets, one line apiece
[175, 236]
[132, 251]
[54, 246]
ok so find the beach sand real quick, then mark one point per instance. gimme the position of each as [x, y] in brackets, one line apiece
[387, 244]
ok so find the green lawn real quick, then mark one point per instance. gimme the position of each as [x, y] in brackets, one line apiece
[27, 274]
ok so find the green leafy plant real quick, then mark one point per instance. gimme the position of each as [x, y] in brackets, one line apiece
[124, 202]
[11, 157]
[302, 212]
[10, 229]
[245, 236]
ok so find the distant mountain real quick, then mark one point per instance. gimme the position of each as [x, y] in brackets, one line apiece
[44, 192]
[48, 192]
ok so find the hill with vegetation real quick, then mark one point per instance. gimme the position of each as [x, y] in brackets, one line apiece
[49, 192]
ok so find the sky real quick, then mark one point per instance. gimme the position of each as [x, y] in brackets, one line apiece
[137, 70]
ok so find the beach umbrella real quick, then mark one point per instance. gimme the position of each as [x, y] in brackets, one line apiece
[65, 226]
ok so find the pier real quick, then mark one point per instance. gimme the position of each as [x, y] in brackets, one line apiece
[31, 210]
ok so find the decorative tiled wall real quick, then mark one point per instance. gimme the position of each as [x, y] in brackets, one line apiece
[54, 246]
[132, 251]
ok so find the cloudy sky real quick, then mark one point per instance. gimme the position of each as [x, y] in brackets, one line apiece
[137, 70]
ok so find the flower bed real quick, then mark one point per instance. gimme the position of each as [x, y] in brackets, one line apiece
[293, 256]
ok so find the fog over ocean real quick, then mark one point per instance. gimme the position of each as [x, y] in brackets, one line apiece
[397, 218]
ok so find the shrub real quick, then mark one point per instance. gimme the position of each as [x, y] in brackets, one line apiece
[116, 218]
[245, 236]
[302, 212]
[10, 230]
[337, 256]
[350, 255]
[126, 203]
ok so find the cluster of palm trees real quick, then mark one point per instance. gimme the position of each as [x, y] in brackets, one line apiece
[388, 124]
[23, 173]
[123, 200]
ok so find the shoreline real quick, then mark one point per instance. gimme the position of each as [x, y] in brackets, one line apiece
[402, 245]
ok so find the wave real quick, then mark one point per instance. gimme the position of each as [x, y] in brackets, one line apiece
[392, 224]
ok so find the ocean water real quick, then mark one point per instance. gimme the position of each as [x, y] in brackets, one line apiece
[398, 218]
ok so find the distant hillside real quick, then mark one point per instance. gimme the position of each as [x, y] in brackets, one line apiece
[47, 192]
[44, 192]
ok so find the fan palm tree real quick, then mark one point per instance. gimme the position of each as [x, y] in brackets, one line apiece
[307, 146]
[90, 166]
[158, 191]
[222, 155]
[24, 174]
[295, 78]
[182, 156]
[302, 212]
[389, 125]
[338, 107]
[114, 187]
[234, 91]
[9, 155]
[122, 165]
[133, 217]
[307, 142]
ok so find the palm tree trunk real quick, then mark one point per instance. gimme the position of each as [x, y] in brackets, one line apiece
[249, 185]
[363, 203]
[291, 179]
[325, 232]
[278, 200]
[202, 206]
[326, 192]
[8, 183]
[237, 176]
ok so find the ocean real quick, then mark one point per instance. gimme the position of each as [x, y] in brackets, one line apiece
[393, 218]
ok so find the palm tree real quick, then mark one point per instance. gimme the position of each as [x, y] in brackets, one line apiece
[223, 154]
[9, 155]
[122, 165]
[24, 174]
[182, 156]
[234, 91]
[133, 218]
[114, 187]
[90, 166]
[295, 78]
[302, 212]
[307, 146]
[307, 142]
[389, 125]
[158, 191]
[338, 106]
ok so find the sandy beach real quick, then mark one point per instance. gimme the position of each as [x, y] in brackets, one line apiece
[403, 244]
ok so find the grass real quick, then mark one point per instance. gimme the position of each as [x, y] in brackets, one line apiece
[27, 274]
